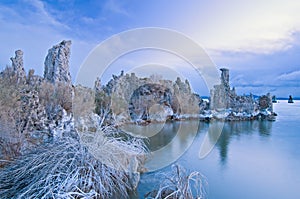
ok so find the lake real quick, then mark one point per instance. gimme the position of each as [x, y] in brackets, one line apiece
[250, 159]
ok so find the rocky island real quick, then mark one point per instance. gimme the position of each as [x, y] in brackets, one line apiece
[225, 104]
[143, 100]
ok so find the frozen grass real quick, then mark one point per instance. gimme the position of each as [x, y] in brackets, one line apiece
[180, 185]
[66, 169]
[117, 150]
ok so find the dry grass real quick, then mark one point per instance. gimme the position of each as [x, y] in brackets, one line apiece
[10, 135]
[64, 169]
[104, 163]
[116, 149]
[83, 101]
[180, 185]
[52, 95]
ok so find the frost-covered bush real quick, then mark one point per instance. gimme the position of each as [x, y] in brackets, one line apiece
[179, 184]
[65, 169]
[116, 149]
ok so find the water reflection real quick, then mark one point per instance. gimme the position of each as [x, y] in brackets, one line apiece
[164, 137]
[172, 139]
[265, 128]
[235, 129]
[168, 143]
[158, 134]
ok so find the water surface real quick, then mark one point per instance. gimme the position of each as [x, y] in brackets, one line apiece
[251, 159]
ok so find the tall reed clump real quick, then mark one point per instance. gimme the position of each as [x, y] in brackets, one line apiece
[116, 149]
[179, 184]
[64, 169]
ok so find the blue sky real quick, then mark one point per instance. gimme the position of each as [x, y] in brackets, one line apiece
[259, 41]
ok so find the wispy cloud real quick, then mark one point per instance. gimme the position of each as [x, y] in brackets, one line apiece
[29, 13]
[260, 39]
[41, 15]
[242, 81]
[254, 26]
[115, 7]
[292, 76]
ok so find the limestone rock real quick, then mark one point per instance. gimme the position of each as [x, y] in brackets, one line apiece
[265, 102]
[32, 122]
[221, 96]
[274, 100]
[225, 104]
[18, 67]
[160, 112]
[32, 79]
[57, 63]
[184, 102]
[150, 98]
[130, 98]
[290, 99]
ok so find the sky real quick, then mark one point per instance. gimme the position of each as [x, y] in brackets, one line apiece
[258, 40]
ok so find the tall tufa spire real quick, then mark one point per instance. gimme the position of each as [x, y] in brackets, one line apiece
[57, 63]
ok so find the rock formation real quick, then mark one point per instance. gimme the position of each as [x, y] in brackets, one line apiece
[226, 104]
[32, 79]
[274, 100]
[290, 99]
[57, 63]
[18, 67]
[34, 116]
[185, 103]
[265, 102]
[147, 98]
[32, 122]
[221, 96]
[131, 98]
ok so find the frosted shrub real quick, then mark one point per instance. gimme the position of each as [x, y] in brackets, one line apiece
[179, 184]
[117, 150]
[63, 169]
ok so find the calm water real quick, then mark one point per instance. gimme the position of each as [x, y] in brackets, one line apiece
[252, 159]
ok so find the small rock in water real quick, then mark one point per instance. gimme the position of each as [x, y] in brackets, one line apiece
[290, 99]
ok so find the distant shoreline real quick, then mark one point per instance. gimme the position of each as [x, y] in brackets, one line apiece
[286, 98]
[278, 98]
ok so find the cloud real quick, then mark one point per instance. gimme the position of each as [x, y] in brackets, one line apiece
[41, 15]
[255, 38]
[292, 76]
[29, 13]
[285, 80]
[115, 7]
[242, 81]
[253, 26]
